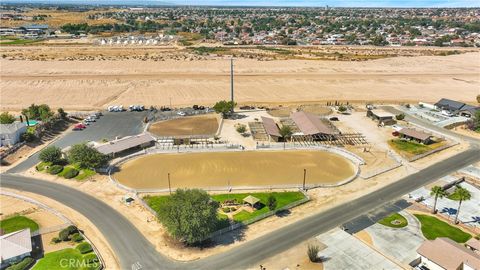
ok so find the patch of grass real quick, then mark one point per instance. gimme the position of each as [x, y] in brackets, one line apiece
[52, 261]
[41, 166]
[432, 228]
[274, 49]
[21, 41]
[155, 201]
[17, 223]
[395, 220]
[409, 147]
[209, 50]
[283, 199]
[84, 174]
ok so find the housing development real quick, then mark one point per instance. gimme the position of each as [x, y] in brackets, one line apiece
[204, 137]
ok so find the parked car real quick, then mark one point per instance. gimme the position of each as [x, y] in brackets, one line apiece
[333, 118]
[181, 113]
[396, 128]
[79, 127]
[395, 133]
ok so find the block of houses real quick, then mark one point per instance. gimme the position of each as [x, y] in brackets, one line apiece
[10, 134]
[382, 117]
[445, 254]
[456, 107]
[415, 135]
[15, 246]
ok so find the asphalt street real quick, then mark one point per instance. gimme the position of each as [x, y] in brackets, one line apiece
[109, 126]
[133, 249]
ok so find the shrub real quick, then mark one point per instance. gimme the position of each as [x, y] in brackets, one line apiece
[71, 173]
[23, 264]
[272, 202]
[64, 234]
[76, 237]
[56, 240]
[42, 165]
[342, 108]
[241, 129]
[84, 247]
[55, 169]
[90, 258]
[86, 156]
[27, 137]
[400, 116]
[6, 118]
[51, 154]
[312, 253]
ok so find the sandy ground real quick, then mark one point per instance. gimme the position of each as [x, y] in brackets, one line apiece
[187, 126]
[248, 168]
[79, 85]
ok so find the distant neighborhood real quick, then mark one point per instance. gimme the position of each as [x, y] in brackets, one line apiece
[264, 26]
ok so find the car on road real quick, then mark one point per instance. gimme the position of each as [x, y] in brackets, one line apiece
[181, 113]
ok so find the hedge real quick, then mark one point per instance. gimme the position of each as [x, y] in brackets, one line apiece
[76, 237]
[64, 234]
[55, 169]
[90, 258]
[71, 173]
[84, 247]
[24, 264]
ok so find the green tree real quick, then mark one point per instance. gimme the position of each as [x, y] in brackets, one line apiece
[286, 133]
[189, 215]
[342, 108]
[6, 118]
[241, 129]
[400, 116]
[62, 113]
[224, 107]
[39, 112]
[272, 202]
[86, 156]
[438, 192]
[460, 194]
[51, 154]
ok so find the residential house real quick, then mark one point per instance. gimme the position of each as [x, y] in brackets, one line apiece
[15, 246]
[445, 254]
[10, 134]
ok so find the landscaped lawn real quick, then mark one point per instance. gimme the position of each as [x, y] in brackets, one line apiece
[82, 175]
[17, 223]
[408, 147]
[432, 228]
[65, 259]
[283, 199]
[395, 220]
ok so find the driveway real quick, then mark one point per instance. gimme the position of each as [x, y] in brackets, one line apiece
[109, 126]
[400, 243]
[344, 251]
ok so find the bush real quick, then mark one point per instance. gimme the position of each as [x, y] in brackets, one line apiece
[55, 169]
[84, 247]
[56, 240]
[241, 129]
[76, 237]
[42, 165]
[90, 258]
[23, 264]
[313, 253]
[51, 154]
[342, 108]
[272, 202]
[64, 234]
[71, 173]
[27, 137]
[400, 116]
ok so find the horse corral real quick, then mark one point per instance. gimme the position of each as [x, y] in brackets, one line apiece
[201, 125]
[235, 169]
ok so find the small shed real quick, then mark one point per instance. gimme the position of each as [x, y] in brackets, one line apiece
[271, 128]
[416, 135]
[252, 201]
[10, 134]
[382, 117]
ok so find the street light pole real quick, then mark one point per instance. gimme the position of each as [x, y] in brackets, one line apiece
[169, 186]
[304, 177]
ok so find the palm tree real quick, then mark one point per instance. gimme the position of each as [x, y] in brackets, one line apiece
[286, 133]
[438, 192]
[461, 195]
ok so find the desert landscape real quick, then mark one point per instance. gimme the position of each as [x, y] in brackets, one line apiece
[88, 85]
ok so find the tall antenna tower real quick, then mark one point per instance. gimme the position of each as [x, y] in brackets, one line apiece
[231, 84]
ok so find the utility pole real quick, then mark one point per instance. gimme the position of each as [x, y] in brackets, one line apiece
[304, 177]
[231, 85]
[169, 186]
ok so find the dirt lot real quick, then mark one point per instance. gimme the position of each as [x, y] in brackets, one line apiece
[187, 126]
[256, 168]
[69, 84]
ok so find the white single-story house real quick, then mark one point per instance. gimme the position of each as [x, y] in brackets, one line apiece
[10, 133]
[15, 246]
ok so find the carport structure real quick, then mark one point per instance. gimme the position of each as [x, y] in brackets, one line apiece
[117, 146]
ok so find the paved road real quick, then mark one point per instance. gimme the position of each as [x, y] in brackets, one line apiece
[131, 247]
[109, 125]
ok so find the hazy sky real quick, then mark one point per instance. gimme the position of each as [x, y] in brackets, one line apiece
[338, 3]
